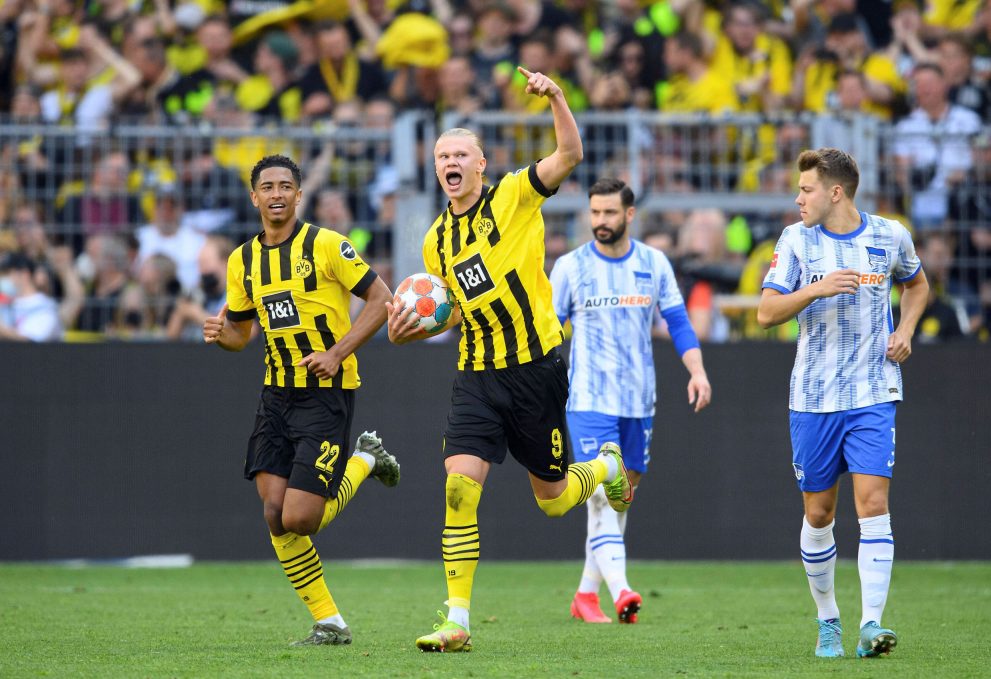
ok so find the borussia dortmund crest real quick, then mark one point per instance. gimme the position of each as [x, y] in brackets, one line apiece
[303, 267]
[483, 226]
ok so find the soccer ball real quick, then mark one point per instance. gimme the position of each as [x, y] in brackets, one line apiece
[430, 297]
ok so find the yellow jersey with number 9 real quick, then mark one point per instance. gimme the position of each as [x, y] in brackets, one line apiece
[492, 258]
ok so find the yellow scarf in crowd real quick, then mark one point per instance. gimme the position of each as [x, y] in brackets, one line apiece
[345, 86]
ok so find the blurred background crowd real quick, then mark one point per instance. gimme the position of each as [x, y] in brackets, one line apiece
[128, 129]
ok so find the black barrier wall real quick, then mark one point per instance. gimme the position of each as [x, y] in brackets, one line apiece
[116, 450]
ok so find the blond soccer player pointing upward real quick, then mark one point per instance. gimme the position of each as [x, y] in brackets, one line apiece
[512, 385]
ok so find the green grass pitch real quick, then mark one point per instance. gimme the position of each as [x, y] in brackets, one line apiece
[727, 619]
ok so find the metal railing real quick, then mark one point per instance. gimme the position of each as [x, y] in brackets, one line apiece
[387, 193]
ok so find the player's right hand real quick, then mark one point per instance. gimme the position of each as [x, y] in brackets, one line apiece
[213, 326]
[839, 282]
[539, 84]
[402, 323]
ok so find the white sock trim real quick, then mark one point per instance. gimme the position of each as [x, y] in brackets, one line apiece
[875, 525]
[458, 615]
[369, 459]
[612, 465]
[335, 619]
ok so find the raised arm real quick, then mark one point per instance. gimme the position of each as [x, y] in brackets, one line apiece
[553, 169]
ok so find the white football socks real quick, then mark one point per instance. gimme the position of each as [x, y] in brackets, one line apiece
[874, 560]
[605, 551]
[591, 576]
[819, 559]
[612, 465]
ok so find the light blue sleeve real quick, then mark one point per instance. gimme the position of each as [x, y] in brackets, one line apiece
[561, 287]
[907, 264]
[668, 293]
[785, 270]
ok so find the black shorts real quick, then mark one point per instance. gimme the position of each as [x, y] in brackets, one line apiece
[302, 434]
[522, 406]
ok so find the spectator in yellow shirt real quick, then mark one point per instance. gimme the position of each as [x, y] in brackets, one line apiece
[758, 64]
[947, 16]
[272, 93]
[845, 48]
[693, 87]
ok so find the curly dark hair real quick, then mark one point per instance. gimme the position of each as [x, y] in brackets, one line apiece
[276, 161]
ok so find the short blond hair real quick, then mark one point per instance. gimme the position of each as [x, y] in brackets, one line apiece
[463, 132]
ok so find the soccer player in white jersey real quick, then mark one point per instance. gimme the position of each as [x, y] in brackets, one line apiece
[834, 270]
[609, 289]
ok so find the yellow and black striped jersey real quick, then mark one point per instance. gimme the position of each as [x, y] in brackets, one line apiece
[300, 290]
[492, 257]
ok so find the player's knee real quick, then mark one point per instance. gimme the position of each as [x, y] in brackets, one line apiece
[300, 524]
[273, 517]
[819, 517]
[874, 506]
[462, 493]
[555, 507]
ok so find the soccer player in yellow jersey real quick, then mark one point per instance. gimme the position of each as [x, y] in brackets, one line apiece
[512, 384]
[297, 279]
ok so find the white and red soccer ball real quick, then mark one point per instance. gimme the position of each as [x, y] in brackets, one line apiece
[431, 299]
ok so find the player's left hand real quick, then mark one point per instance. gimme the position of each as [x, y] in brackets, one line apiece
[539, 84]
[323, 364]
[899, 347]
[402, 323]
[699, 391]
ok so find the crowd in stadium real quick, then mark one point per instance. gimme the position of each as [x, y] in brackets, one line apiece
[106, 252]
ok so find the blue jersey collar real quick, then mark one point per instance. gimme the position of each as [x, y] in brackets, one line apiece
[613, 260]
[847, 236]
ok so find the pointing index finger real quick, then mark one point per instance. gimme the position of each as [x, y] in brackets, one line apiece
[523, 71]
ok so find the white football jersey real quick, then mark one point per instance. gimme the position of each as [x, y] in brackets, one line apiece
[841, 362]
[611, 305]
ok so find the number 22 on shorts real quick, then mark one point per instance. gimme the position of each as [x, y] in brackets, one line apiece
[328, 457]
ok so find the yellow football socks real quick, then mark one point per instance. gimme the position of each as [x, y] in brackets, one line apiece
[459, 542]
[302, 565]
[583, 479]
[356, 472]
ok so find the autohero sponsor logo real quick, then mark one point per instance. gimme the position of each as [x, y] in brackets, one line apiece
[869, 279]
[872, 278]
[616, 301]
